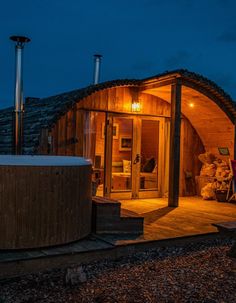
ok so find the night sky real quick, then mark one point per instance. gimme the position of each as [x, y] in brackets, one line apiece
[138, 39]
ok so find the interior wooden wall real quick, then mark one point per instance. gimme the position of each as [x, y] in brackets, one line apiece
[67, 133]
[211, 123]
[190, 147]
[150, 140]
[125, 130]
[100, 139]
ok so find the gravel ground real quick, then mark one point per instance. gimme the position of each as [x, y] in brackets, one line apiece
[193, 273]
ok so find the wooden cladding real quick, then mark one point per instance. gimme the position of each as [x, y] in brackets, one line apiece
[190, 147]
[203, 127]
[119, 100]
[67, 134]
[44, 206]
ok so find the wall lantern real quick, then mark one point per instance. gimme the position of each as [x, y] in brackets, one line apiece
[136, 106]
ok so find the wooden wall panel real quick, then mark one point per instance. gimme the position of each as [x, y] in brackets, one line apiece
[150, 140]
[70, 133]
[119, 99]
[191, 147]
[61, 134]
[79, 132]
[67, 134]
[100, 139]
[154, 105]
[125, 130]
[44, 205]
[54, 133]
[43, 143]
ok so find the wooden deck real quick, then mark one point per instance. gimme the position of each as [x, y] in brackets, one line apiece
[163, 226]
[194, 216]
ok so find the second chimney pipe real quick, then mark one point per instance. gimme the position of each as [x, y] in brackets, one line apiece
[97, 63]
[20, 41]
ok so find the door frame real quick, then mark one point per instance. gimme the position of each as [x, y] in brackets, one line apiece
[160, 165]
[135, 192]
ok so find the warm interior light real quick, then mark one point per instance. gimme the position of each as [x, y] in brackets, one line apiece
[191, 105]
[136, 107]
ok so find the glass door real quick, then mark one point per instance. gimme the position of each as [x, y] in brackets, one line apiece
[150, 153]
[133, 157]
[121, 158]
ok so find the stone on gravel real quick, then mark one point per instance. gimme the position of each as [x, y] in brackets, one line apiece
[75, 276]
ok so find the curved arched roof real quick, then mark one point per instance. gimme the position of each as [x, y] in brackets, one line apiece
[203, 85]
[43, 113]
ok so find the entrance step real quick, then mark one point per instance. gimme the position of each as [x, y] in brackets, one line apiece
[107, 218]
[131, 222]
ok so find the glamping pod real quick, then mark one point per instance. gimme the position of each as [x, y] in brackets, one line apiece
[143, 136]
[44, 200]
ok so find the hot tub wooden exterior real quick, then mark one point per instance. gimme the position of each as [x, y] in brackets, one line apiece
[44, 201]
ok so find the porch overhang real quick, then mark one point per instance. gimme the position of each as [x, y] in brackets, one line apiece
[210, 111]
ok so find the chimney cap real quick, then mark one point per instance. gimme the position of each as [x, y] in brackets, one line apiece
[98, 56]
[20, 39]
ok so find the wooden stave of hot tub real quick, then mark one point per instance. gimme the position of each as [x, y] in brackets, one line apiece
[54, 209]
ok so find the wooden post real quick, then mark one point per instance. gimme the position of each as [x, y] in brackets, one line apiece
[174, 160]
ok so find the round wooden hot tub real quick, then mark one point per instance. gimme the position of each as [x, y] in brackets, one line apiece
[44, 200]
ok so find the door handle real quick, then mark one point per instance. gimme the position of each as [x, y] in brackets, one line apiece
[137, 159]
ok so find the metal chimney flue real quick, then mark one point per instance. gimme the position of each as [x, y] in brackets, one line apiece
[19, 46]
[97, 64]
